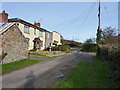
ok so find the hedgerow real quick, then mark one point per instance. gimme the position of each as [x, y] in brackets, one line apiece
[111, 53]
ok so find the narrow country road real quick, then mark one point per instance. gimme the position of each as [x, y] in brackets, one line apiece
[43, 74]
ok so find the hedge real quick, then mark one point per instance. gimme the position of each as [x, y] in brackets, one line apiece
[61, 48]
[89, 48]
[111, 53]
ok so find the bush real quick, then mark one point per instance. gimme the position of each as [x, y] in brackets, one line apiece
[33, 50]
[111, 54]
[61, 48]
[55, 48]
[89, 48]
[46, 49]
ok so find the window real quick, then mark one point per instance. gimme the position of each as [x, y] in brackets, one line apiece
[34, 31]
[26, 29]
[48, 35]
[41, 34]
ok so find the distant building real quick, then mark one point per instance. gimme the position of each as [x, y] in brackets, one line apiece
[56, 38]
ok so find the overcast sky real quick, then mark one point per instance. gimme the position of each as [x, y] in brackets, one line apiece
[76, 20]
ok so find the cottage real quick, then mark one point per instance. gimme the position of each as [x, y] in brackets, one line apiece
[18, 36]
[56, 38]
[14, 45]
[31, 32]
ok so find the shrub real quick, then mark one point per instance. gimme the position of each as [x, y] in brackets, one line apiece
[111, 53]
[89, 48]
[33, 49]
[55, 48]
[64, 48]
[61, 48]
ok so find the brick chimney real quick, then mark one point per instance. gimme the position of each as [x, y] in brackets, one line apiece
[3, 17]
[37, 24]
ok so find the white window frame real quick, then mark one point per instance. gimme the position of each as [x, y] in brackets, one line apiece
[41, 34]
[26, 29]
[48, 35]
[34, 31]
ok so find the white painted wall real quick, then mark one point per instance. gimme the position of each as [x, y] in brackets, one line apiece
[32, 36]
[56, 37]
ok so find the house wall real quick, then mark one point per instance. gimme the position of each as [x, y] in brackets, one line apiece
[48, 39]
[56, 37]
[14, 45]
[32, 36]
[0, 46]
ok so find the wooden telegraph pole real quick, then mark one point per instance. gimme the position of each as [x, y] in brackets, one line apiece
[99, 16]
[99, 29]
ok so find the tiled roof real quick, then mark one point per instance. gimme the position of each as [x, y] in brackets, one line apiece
[26, 23]
[5, 26]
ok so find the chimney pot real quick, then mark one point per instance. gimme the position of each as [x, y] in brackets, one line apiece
[37, 24]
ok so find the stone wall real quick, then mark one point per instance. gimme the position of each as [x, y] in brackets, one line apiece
[14, 45]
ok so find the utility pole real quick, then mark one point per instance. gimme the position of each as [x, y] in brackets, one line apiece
[99, 29]
[99, 15]
[73, 38]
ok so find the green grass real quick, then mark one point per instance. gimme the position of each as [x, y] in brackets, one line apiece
[87, 75]
[68, 51]
[18, 64]
[37, 54]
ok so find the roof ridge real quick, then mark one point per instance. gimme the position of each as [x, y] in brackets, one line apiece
[27, 23]
[3, 29]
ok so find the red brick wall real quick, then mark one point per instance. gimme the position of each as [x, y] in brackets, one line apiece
[3, 17]
[37, 24]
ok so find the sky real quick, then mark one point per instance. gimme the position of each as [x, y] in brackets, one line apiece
[73, 20]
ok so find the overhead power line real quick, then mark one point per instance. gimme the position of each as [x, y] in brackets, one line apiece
[110, 20]
[82, 25]
[69, 22]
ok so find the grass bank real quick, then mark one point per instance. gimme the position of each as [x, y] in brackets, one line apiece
[18, 64]
[40, 55]
[87, 75]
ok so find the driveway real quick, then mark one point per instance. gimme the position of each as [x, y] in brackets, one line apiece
[43, 74]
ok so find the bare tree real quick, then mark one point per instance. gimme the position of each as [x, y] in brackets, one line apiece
[90, 41]
[109, 35]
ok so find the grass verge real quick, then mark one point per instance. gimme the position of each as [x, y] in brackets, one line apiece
[37, 54]
[87, 75]
[18, 64]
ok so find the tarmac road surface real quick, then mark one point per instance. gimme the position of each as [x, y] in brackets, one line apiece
[43, 74]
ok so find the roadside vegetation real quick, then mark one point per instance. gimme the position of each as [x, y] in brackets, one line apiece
[89, 45]
[61, 48]
[18, 64]
[39, 54]
[86, 75]
[71, 43]
[109, 50]
[89, 48]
